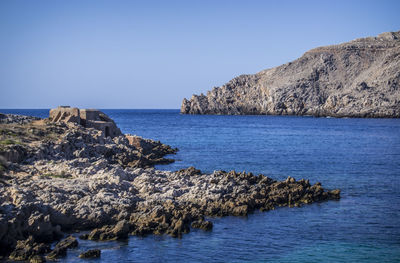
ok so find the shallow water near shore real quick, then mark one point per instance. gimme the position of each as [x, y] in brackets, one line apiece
[359, 156]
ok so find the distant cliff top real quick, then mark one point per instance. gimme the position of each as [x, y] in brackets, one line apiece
[359, 78]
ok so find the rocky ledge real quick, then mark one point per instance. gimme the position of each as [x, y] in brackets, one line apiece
[63, 177]
[360, 78]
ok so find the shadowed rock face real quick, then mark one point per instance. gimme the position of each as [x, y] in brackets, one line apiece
[359, 78]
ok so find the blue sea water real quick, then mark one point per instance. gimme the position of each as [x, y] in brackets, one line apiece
[359, 156]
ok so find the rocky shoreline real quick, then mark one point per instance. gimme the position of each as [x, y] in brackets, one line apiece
[360, 78]
[58, 177]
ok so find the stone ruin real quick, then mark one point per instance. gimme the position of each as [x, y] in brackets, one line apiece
[89, 118]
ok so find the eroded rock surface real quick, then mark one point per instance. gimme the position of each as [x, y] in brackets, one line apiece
[46, 140]
[60, 250]
[92, 253]
[13, 118]
[70, 178]
[360, 78]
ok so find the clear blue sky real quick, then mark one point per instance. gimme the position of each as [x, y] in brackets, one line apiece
[152, 54]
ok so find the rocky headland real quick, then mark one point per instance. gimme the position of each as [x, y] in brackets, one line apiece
[360, 78]
[62, 174]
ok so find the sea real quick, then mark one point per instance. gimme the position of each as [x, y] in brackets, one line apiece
[359, 156]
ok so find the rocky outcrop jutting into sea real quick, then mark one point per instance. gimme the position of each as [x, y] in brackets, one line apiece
[360, 78]
[60, 176]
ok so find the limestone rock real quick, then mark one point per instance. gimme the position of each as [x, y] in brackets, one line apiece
[48, 140]
[15, 153]
[92, 253]
[73, 178]
[37, 259]
[13, 118]
[147, 146]
[360, 78]
[119, 231]
[60, 250]
[202, 224]
[189, 171]
[28, 249]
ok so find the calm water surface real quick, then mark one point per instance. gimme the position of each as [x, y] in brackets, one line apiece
[359, 156]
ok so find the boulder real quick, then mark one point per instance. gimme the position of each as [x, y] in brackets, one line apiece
[13, 153]
[119, 231]
[202, 224]
[190, 171]
[60, 250]
[92, 253]
[27, 249]
[37, 259]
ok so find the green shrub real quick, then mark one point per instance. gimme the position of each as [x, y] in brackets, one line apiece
[7, 142]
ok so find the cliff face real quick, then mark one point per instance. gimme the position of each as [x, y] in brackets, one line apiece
[360, 78]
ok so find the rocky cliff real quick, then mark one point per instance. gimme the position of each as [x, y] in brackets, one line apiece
[360, 78]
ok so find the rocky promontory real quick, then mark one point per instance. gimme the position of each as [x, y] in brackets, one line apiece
[60, 175]
[360, 78]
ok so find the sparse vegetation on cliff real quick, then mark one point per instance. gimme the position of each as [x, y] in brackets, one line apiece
[360, 78]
